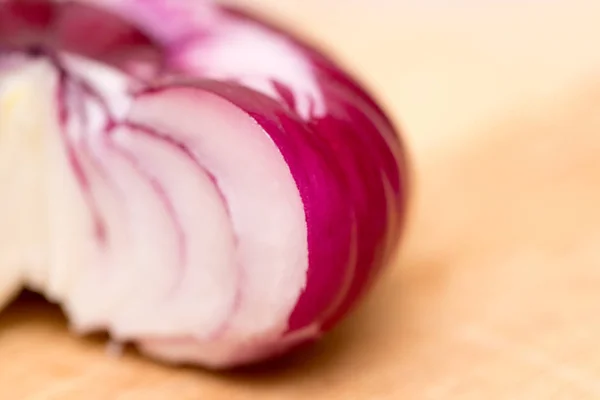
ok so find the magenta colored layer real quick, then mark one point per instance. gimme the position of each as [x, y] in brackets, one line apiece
[356, 150]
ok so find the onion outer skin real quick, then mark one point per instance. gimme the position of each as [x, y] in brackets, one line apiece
[342, 153]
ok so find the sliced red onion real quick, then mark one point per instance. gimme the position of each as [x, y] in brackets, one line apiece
[195, 180]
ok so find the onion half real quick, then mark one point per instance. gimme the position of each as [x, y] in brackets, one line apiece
[196, 180]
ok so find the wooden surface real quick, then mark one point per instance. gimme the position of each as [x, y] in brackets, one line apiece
[496, 294]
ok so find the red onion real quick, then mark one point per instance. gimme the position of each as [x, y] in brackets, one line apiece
[188, 177]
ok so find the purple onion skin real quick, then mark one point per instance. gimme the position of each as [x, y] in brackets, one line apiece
[350, 166]
[348, 163]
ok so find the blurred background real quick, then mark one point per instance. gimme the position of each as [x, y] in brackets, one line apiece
[496, 290]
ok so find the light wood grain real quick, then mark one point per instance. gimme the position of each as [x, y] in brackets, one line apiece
[496, 293]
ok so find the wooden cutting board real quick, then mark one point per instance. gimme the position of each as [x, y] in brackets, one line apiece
[496, 292]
